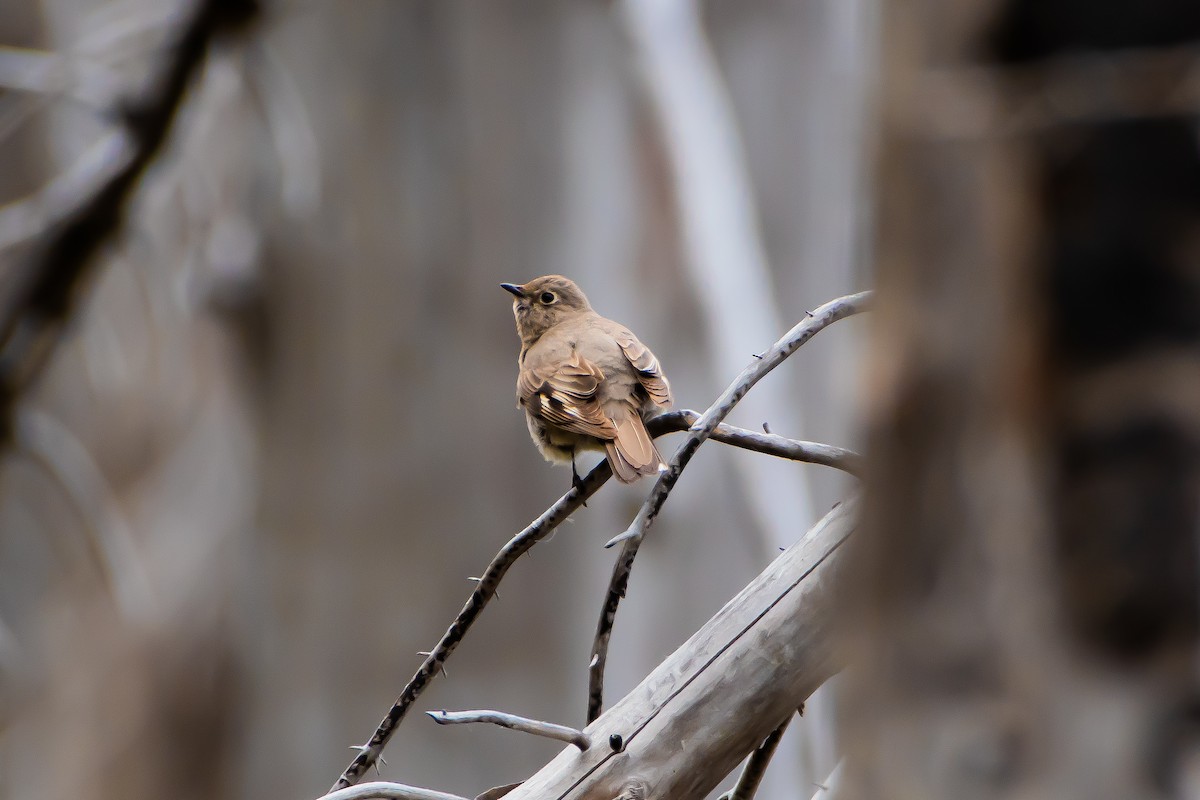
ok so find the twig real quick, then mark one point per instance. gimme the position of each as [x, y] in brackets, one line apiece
[536, 727]
[485, 589]
[752, 775]
[699, 432]
[44, 293]
[385, 790]
[767, 443]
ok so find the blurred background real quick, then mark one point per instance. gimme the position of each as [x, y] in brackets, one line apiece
[280, 433]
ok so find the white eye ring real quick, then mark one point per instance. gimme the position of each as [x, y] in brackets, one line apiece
[547, 298]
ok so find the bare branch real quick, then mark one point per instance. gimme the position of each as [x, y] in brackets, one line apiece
[755, 661]
[757, 369]
[812, 324]
[44, 291]
[485, 589]
[767, 443]
[488, 584]
[384, 790]
[751, 777]
[536, 727]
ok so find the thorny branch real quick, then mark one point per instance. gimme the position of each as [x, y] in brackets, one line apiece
[767, 443]
[701, 430]
[45, 290]
[542, 527]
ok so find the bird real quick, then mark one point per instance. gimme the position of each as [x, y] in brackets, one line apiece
[584, 381]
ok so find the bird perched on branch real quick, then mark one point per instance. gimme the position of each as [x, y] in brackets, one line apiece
[585, 382]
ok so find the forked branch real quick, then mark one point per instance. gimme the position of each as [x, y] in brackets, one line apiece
[488, 583]
[700, 431]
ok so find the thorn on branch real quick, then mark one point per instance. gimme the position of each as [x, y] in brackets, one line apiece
[362, 748]
[766, 428]
[629, 533]
[442, 666]
[480, 580]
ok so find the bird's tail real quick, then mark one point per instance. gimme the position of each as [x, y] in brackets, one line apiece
[632, 453]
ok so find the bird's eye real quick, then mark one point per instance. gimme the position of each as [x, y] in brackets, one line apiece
[547, 298]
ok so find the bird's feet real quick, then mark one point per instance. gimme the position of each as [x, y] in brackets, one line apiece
[576, 481]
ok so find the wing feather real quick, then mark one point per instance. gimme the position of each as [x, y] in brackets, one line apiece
[565, 394]
[649, 373]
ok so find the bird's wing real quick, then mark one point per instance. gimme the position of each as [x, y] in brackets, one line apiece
[649, 372]
[564, 393]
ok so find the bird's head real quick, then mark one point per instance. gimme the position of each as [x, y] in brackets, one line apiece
[543, 303]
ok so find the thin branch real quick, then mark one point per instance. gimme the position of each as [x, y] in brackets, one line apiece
[752, 775]
[45, 291]
[767, 443]
[384, 790]
[815, 322]
[536, 727]
[485, 589]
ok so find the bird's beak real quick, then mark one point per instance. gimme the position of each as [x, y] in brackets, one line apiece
[513, 288]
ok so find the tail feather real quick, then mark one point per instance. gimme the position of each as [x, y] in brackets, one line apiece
[632, 453]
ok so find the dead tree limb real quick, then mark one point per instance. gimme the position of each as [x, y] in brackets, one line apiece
[717, 697]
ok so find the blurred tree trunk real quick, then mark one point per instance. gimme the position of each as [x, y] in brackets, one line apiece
[1028, 576]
